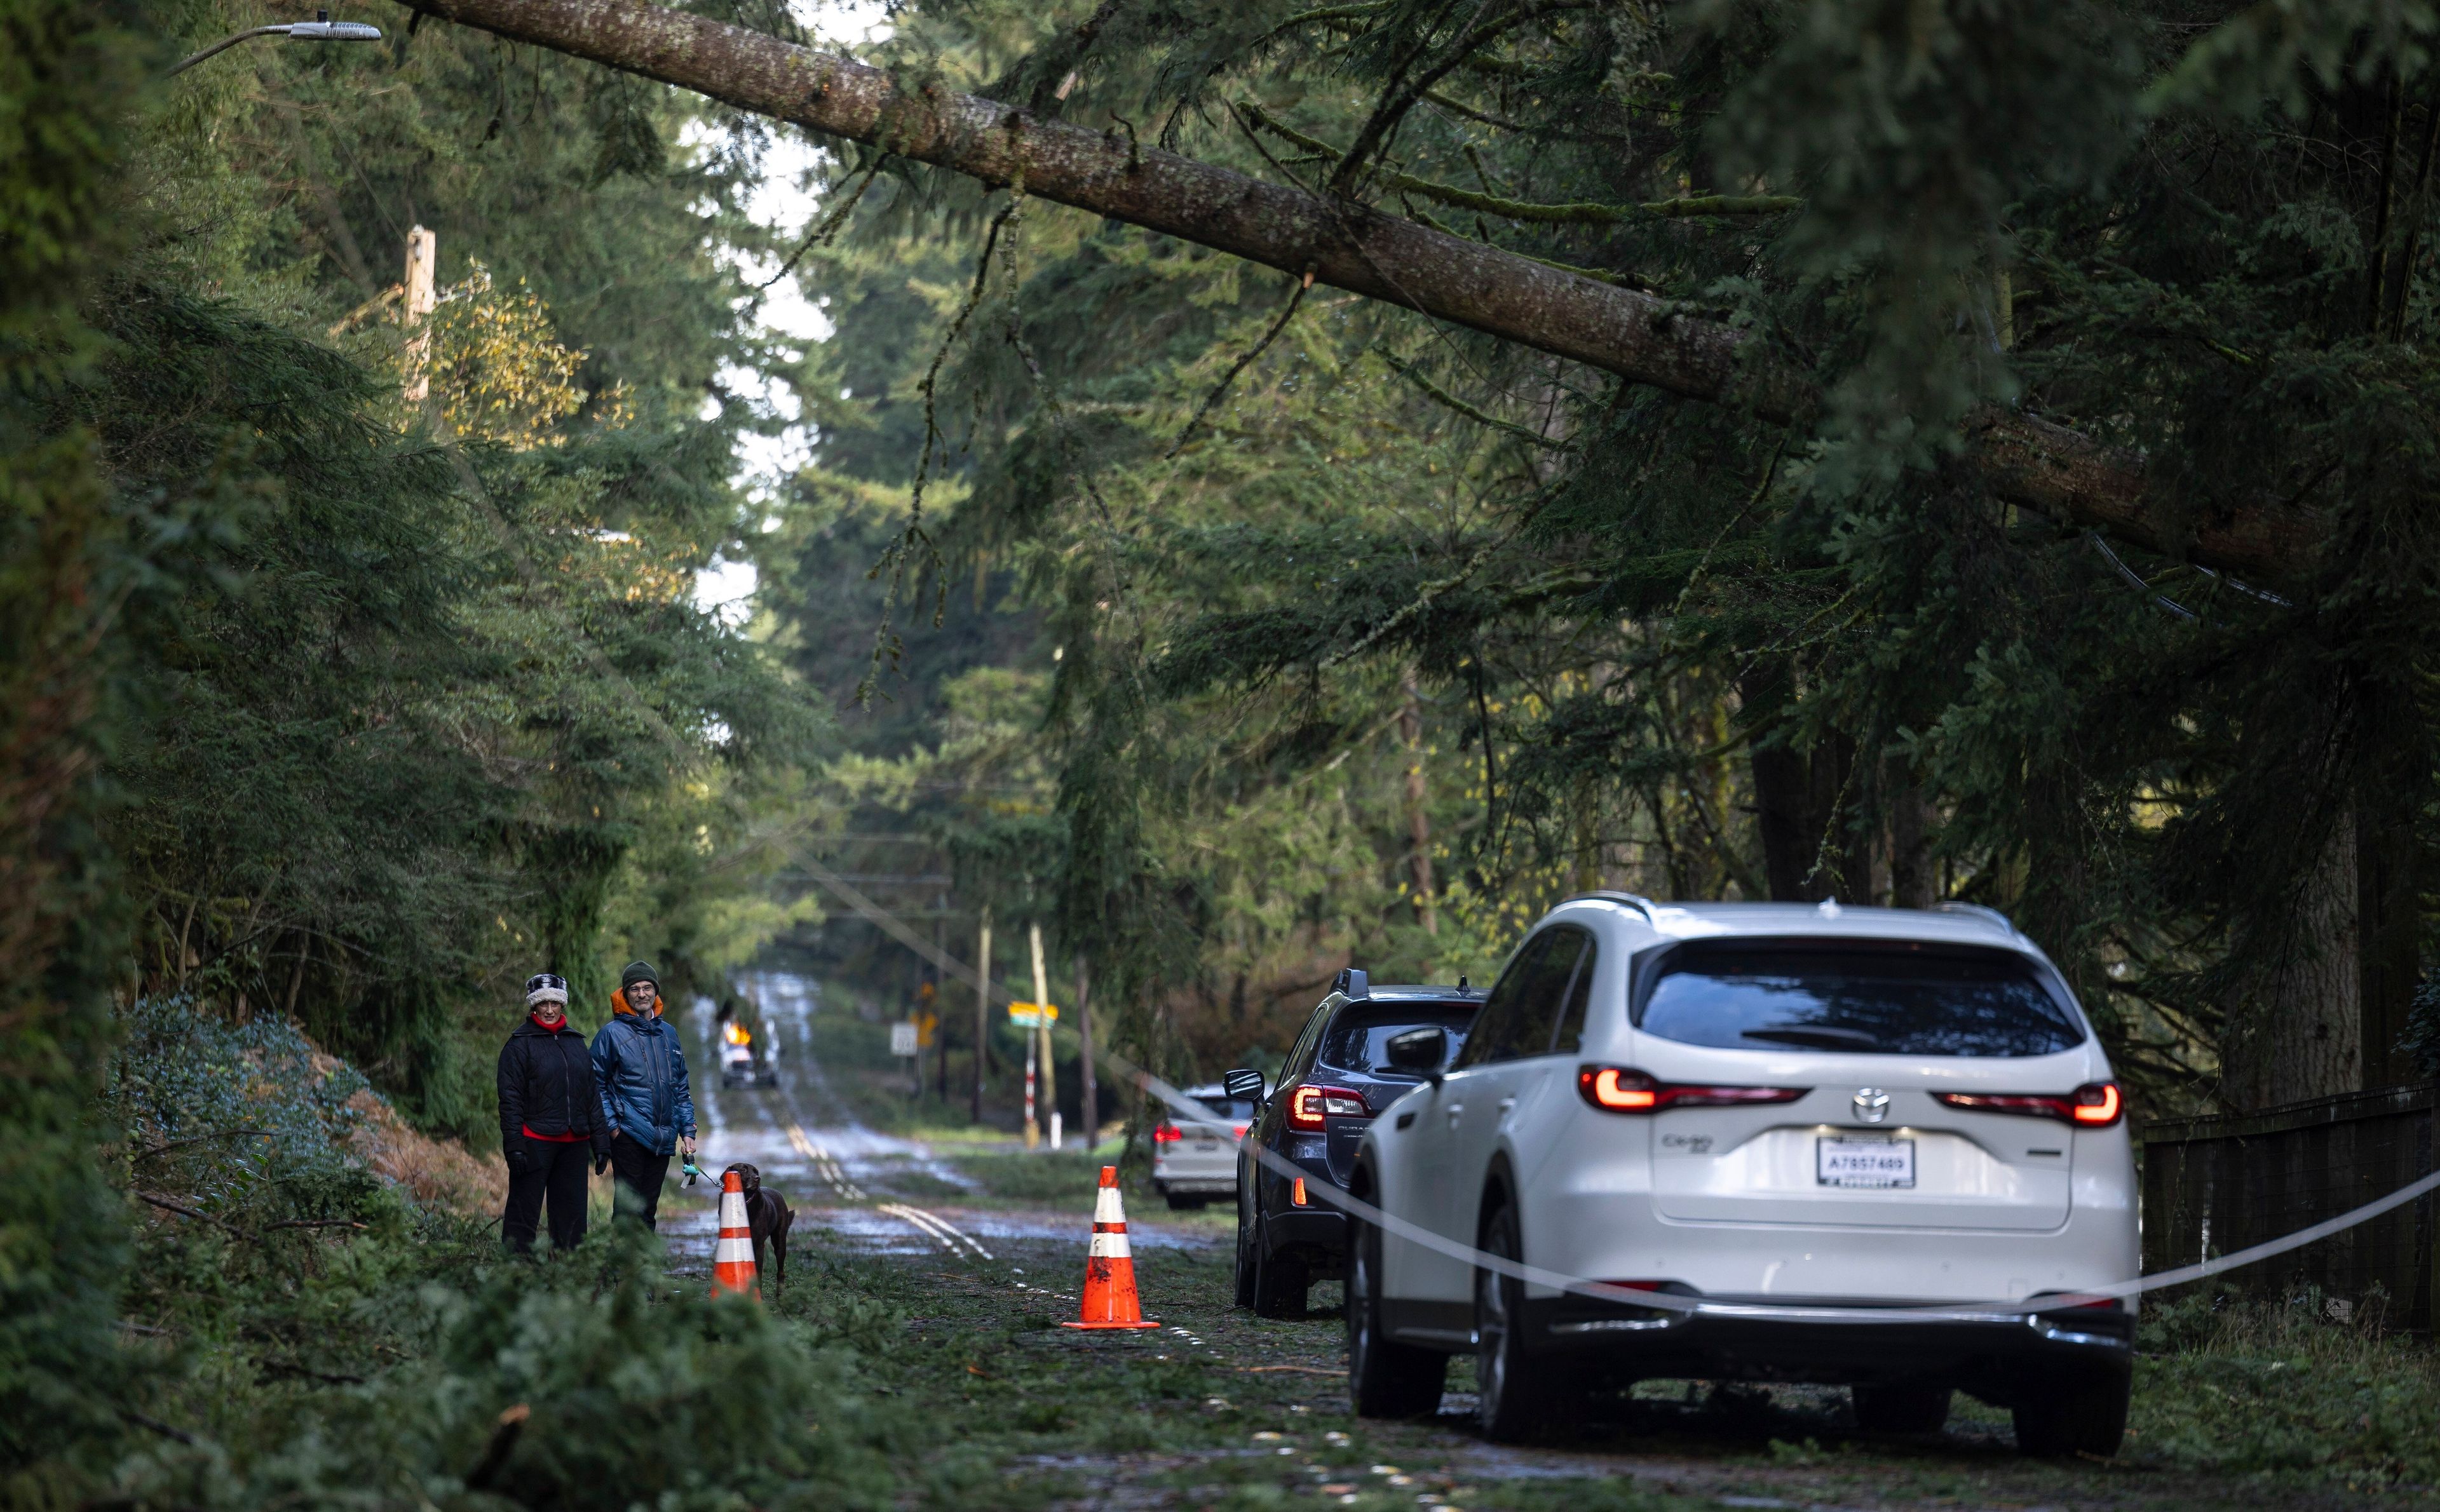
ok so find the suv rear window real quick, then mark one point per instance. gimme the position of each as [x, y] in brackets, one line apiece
[1887, 1000]
[1227, 1109]
[1358, 1038]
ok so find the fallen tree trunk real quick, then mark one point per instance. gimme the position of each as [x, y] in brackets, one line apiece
[1639, 336]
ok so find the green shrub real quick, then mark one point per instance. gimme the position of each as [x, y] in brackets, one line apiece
[186, 1077]
[587, 1381]
[310, 1336]
[2236, 1386]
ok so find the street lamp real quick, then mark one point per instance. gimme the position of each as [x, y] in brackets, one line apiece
[321, 29]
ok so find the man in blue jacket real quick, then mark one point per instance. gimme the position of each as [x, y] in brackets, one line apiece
[644, 1096]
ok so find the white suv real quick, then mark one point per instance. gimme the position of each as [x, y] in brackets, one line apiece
[1790, 1115]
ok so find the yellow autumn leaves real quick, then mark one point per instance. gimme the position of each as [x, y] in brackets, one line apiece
[498, 371]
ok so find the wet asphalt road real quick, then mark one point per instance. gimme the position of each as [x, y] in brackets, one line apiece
[851, 1184]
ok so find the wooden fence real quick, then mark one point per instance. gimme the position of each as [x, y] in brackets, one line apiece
[2215, 1185]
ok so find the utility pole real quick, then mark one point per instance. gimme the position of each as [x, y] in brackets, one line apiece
[982, 1008]
[422, 299]
[1090, 1113]
[1419, 823]
[1032, 1049]
[1050, 1097]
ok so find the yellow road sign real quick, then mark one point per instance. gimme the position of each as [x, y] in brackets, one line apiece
[1029, 1015]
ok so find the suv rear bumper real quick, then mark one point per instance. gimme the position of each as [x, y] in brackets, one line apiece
[1193, 1185]
[1997, 1357]
[1317, 1235]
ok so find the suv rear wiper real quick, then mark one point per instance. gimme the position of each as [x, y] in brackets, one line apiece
[1819, 1037]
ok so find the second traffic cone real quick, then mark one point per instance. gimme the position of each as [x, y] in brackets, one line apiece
[732, 1258]
[1109, 1266]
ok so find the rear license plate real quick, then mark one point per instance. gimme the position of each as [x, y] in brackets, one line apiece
[1872, 1163]
[1207, 1145]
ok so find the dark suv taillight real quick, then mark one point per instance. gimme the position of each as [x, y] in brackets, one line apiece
[1309, 1105]
[1620, 1090]
[2095, 1104]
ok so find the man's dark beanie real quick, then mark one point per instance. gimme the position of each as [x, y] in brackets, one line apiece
[639, 971]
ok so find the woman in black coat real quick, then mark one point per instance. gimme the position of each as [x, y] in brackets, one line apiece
[551, 1123]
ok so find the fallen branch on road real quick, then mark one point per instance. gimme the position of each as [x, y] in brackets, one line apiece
[167, 1206]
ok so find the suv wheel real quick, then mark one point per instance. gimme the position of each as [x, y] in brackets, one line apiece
[2080, 1415]
[1910, 1407]
[1516, 1395]
[1279, 1283]
[1384, 1378]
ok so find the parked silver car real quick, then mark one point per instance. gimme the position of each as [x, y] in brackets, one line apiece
[1789, 1117]
[1194, 1159]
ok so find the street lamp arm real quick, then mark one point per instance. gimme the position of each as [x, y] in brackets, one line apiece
[322, 29]
[224, 44]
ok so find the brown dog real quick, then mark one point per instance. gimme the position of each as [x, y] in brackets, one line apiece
[768, 1218]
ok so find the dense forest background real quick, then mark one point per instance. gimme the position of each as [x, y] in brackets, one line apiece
[1229, 627]
[1369, 636]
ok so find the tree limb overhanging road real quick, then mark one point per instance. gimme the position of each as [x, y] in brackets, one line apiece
[1642, 337]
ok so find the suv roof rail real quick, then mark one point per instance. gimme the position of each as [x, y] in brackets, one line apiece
[1606, 895]
[1352, 982]
[1991, 915]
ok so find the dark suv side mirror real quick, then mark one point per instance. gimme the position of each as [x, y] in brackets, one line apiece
[1244, 1085]
[1422, 1051]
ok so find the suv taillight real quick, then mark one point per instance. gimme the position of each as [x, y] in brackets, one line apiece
[1166, 1134]
[1619, 1090]
[1308, 1104]
[2095, 1104]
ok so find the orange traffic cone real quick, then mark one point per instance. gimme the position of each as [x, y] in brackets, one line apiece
[1110, 1267]
[732, 1259]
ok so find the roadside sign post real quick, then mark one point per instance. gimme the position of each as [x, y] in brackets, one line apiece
[1033, 1135]
[1035, 1019]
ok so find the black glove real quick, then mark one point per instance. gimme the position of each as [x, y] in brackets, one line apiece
[600, 1153]
[514, 1148]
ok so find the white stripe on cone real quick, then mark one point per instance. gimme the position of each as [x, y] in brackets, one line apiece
[1110, 1247]
[1105, 1206]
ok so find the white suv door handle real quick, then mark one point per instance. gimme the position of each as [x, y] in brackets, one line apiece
[1454, 1110]
[1507, 1105]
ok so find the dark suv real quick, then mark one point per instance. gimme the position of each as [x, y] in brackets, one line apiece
[1335, 1080]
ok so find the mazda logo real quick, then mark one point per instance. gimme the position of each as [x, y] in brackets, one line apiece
[1872, 1104]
